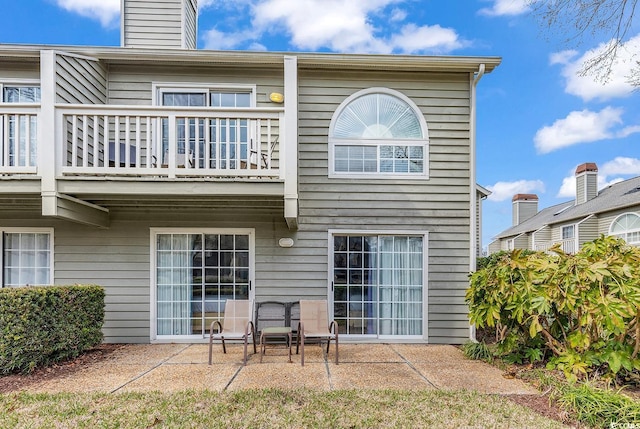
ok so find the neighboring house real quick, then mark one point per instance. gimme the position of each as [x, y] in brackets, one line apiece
[614, 210]
[178, 178]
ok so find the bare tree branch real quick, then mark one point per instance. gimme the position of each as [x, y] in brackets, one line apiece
[577, 19]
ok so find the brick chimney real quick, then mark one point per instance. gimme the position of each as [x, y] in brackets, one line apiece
[525, 206]
[586, 182]
[168, 24]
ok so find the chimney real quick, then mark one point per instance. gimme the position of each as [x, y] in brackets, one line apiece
[525, 206]
[162, 24]
[586, 182]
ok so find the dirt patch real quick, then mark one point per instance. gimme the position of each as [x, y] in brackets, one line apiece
[542, 405]
[15, 382]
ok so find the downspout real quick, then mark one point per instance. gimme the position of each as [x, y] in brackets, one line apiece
[472, 177]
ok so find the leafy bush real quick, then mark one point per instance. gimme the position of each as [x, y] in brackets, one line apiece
[582, 310]
[477, 351]
[41, 325]
[494, 258]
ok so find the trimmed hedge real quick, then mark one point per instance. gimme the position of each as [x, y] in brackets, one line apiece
[42, 325]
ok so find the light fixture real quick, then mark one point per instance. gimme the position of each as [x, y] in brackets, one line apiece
[276, 97]
[285, 242]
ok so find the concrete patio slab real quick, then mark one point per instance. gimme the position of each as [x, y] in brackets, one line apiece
[282, 376]
[97, 378]
[178, 377]
[143, 354]
[472, 375]
[369, 353]
[378, 376]
[175, 367]
[430, 353]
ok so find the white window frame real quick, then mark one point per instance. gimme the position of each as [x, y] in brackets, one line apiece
[571, 227]
[19, 83]
[158, 88]
[154, 232]
[49, 231]
[425, 279]
[627, 232]
[424, 142]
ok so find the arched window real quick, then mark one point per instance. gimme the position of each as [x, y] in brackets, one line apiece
[627, 226]
[378, 132]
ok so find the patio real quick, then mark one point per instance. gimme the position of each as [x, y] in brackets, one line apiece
[176, 367]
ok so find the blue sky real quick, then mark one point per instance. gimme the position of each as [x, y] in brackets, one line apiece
[537, 117]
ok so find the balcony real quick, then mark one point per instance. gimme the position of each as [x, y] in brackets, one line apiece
[568, 245]
[71, 156]
[168, 143]
[136, 141]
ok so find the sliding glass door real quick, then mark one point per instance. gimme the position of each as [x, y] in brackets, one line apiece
[379, 284]
[196, 272]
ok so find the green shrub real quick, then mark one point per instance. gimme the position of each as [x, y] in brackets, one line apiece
[477, 351]
[494, 258]
[42, 325]
[582, 310]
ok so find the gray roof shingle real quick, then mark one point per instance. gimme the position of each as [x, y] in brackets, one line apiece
[616, 196]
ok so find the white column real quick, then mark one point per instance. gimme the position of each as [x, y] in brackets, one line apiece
[289, 163]
[48, 134]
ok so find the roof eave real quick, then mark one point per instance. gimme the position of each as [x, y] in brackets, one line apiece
[305, 60]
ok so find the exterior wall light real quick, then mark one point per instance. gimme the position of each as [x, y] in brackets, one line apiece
[285, 242]
[276, 97]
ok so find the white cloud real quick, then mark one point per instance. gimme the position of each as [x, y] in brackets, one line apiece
[506, 7]
[620, 165]
[398, 15]
[589, 88]
[340, 25]
[568, 188]
[425, 38]
[219, 40]
[617, 167]
[627, 131]
[105, 11]
[506, 190]
[578, 127]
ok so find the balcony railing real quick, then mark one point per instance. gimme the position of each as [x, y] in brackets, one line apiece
[169, 142]
[145, 141]
[18, 138]
[568, 245]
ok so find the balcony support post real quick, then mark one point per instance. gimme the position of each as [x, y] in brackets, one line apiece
[50, 158]
[289, 163]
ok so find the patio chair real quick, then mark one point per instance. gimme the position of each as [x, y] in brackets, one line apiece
[237, 325]
[314, 323]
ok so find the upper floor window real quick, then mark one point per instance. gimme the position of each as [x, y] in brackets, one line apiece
[627, 227]
[20, 94]
[378, 133]
[208, 143]
[204, 96]
[568, 232]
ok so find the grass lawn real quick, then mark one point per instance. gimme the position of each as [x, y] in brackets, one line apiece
[267, 408]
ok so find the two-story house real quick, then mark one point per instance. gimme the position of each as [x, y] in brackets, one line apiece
[178, 178]
[614, 210]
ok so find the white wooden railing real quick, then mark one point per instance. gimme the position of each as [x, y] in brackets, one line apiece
[18, 138]
[156, 141]
[568, 245]
[166, 141]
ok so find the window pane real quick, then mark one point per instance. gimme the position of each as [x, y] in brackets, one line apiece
[26, 259]
[243, 99]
